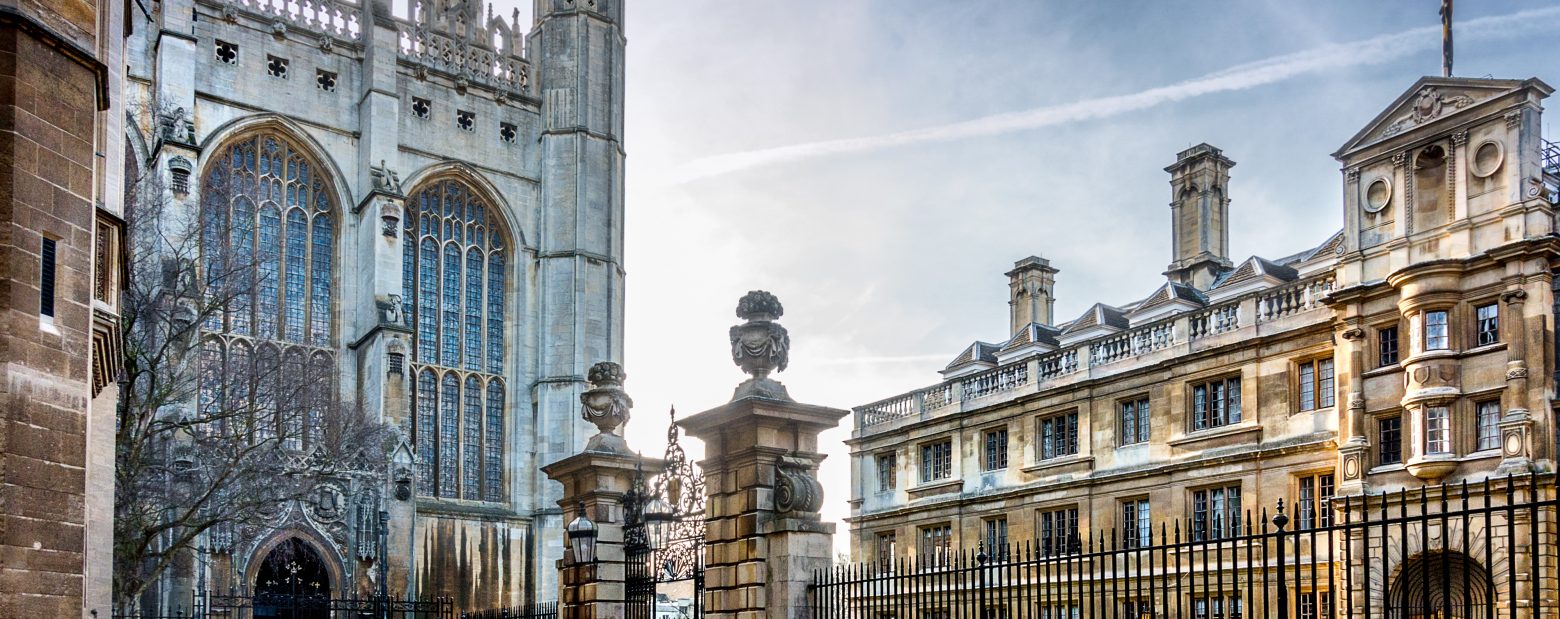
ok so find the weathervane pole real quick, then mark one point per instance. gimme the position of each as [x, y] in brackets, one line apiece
[1446, 38]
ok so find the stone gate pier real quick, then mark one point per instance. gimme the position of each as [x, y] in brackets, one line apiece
[764, 539]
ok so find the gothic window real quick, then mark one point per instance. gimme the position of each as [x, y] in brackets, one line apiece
[453, 279]
[267, 243]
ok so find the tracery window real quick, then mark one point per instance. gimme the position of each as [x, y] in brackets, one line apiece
[267, 244]
[453, 280]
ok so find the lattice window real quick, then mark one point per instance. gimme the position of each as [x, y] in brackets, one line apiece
[1216, 513]
[1058, 435]
[454, 284]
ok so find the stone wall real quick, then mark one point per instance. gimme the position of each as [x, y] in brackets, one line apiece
[52, 113]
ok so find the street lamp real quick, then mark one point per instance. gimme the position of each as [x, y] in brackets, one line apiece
[582, 538]
[658, 520]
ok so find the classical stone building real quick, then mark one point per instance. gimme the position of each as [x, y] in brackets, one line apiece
[434, 195]
[61, 137]
[1415, 345]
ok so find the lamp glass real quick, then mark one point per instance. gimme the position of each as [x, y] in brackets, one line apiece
[582, 538]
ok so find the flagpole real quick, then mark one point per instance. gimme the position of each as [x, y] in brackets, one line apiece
[1446, 38]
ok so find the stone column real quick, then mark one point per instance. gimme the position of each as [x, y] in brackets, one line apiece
[1515, 425]
[594, 484]
[765, 538]
[1353, 441]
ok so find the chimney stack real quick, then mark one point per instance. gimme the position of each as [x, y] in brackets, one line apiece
[1032, 284]
[1199, 216]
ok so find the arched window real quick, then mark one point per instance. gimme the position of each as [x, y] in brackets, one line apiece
[267, 243]
[453, 283]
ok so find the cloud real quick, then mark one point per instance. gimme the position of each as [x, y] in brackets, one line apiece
[1376, 50]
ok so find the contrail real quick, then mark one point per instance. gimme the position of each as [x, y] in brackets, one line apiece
[1375, 50]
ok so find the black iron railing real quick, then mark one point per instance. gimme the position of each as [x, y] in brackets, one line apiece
[544, 610]
[1486, 550]
[246, 605]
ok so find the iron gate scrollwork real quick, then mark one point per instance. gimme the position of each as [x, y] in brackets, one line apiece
[664, 533]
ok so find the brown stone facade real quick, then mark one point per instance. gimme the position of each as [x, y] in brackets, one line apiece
[52, 113]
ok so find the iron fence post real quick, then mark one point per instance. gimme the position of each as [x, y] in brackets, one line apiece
[980, 578]
[1279, 520]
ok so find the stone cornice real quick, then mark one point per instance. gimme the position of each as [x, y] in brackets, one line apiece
[9, 16]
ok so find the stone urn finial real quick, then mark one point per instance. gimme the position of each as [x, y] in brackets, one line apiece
[606, 405]
[760, 346]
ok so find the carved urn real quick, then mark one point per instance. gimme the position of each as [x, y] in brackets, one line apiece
[607, 406]
[760, 346]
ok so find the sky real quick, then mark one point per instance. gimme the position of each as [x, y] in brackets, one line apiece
[878, 165]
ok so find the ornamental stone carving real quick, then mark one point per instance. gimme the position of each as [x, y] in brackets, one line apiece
[607, 406]
[389, 218]
[1516, 373]
[1352, 334]
[796, 490]
[403, 483]
[760, 346]
[385, 179]
[1429, 105]
[389, 309]
[1513, 297]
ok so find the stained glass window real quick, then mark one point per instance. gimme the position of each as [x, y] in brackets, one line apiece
[493, 483]
[449, 421]
[426, 397]
[266, 244]
[471, 440]
[473, 343]
[453, 282]
[297, 257]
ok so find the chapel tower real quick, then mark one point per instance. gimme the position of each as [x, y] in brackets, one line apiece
[578, 47]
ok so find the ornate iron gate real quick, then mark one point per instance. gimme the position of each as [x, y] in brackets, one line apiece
[664, 534]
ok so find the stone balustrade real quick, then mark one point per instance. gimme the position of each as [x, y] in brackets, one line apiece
[335, 18]
[1215, 320]
[1293, 299]
[1001, 379]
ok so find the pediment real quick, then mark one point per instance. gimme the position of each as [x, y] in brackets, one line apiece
[1431, 99]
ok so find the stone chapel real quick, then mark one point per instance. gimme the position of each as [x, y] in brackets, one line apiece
[435, 196]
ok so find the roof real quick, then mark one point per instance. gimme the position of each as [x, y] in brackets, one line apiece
[1032, 333]
[1168, 293]
[975, 353]
[1099, 315]
[1254, 268]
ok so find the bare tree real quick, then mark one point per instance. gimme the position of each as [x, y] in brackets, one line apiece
[213, 429]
